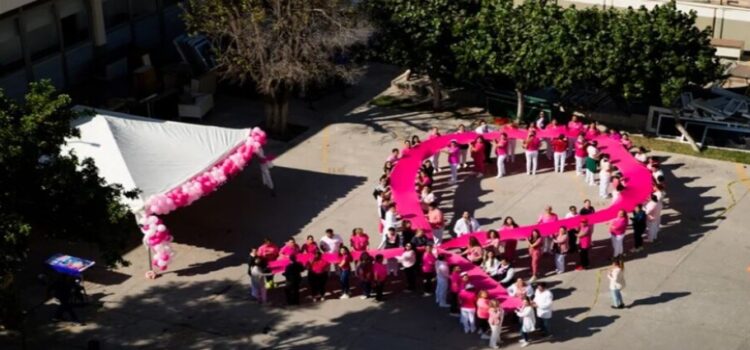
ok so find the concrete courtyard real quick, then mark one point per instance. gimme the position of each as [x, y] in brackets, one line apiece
[691, 290]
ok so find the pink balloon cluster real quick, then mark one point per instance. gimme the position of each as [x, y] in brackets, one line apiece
[157, 237]
[155, 234]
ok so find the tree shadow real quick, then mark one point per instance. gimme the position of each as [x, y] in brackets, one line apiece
[241, 213]
[664, 297]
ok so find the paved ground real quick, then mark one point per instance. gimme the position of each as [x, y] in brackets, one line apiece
[690, 291]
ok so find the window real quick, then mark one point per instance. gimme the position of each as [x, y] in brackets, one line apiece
[41, 32]
[143, 7]
[11, 52]
[74, 22]
[116, 12]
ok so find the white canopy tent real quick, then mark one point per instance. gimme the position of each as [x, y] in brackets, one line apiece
[151, 155]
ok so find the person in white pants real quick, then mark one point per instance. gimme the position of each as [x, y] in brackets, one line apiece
[617, 229]
[443, 281]
[653, 218]
[454, 158]
[501, 150]
[579, 152]
[467, 300]
[560, 148]
[512, 150]
[604, 177]
[531, 145]
[496, 323]
[434, 132]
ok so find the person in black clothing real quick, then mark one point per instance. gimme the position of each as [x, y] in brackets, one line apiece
[419, 239]
[63, 291]
[293, 275]
[407, 232]
[639, 227]
[587, 208]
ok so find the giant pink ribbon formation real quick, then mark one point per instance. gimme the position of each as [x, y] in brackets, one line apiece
[404, 175]
[156, 235]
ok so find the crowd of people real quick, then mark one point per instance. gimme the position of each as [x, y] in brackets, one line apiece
[424, 266]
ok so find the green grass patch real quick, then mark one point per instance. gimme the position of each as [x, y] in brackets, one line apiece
[391, 101]
[683, 148]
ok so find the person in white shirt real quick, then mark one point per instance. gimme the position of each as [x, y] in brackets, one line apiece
[427, 197]
[390, 220]
[465, 225]
[490, 264]
[520, 289]
[528, 322]
[543, 304]
[505, 272]
[443, 281]
[591, 150]
[330, 242]
[653, 218]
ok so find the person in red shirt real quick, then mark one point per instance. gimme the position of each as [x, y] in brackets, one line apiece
[289, 249]
[580, 154]
[477, 154]
[560, 149]
[310, 246]
[268, 251]
[467, 299]
[380, 275]
[531, 145]
[456, 284]
[501, 150]
[317, 276]
[344, 266]
[437, 222]
[617, 229]
[428, 269]
[360, 240]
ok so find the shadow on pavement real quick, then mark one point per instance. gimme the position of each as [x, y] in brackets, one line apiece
[664, 297]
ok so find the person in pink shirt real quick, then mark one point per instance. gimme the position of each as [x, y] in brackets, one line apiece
[535, 251]
[467, 301]
[576, 126]
[495, 320]
[580, 153]
[268, 251]
[560, 149]
[310, 246]
[592, 131]
[531, 145]
[552, 126]
[617, 229]
[380, 275]
[626, 142]
[394, 157]
[483, 314]
[511, 244]
[344, 265]
[584, 243]
[474, 251]
[493, 242]
[561, 249]
[436, 157]
[437, 223]
[456, 284]
[464, 148]
[477, 155]
[454, 158]
[427, 264]
[501, 151]
[547, 217]
[317, 276]
[512, 127]
[360, 240]
[289, 249]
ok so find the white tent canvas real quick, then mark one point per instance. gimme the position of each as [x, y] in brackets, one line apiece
[151, 155]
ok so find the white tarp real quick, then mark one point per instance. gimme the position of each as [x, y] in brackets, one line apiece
[151, 155]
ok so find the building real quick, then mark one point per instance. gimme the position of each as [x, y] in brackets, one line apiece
[72, 42]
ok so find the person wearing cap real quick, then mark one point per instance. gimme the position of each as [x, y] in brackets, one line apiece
[543, 303]
[467, 300]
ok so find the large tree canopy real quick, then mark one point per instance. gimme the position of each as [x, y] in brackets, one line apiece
[49, 193]
[279, 45]
[417, 34]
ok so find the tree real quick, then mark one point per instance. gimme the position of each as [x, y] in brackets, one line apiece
[525, 44]
[653, 56]
[50, 194]
[417, 34]
[279, 45]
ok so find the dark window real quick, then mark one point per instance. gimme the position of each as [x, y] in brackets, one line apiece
[116, 12]
[11, 52]
[41, 32]
[73, 29]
